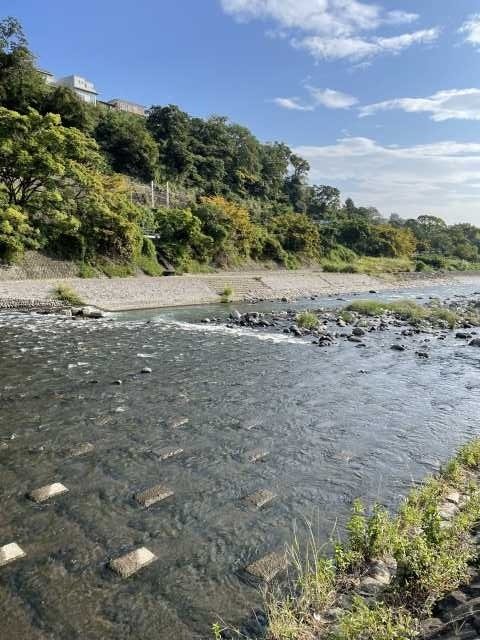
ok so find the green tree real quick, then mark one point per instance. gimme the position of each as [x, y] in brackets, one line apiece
[170, 128]
[21, 84]
[53, 175]
[73, 111]
[127, 144]
[323, 202]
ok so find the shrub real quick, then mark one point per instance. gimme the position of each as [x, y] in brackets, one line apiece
[66, 294]
[226, 294]
[307, 320]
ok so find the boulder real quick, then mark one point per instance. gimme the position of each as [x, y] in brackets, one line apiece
[358, 331]
[92, 312]
[475, 342]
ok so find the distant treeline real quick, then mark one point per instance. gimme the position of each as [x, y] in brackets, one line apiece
[63, 190]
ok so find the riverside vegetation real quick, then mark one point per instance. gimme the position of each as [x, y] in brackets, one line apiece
[389, 575]
[65, 166]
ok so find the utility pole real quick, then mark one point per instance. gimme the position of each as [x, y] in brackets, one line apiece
[152, 194]
[168, 195]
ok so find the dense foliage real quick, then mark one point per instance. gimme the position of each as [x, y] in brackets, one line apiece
[62, 190]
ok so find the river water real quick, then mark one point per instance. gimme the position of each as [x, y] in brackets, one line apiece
[332, 433]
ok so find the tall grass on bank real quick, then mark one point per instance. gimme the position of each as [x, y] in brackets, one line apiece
[432, 556]
[66, 294]
[405, 310]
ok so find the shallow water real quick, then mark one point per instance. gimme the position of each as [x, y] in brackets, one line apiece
[333, 434]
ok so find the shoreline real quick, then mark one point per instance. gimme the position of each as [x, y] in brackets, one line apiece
[143, 292]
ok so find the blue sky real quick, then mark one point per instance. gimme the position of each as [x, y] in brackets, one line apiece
[382, 98]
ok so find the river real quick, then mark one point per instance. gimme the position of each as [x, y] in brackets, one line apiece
[338, 423]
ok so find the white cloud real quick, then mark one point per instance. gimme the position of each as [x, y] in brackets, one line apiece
[458, 104]
[442, 178]
[328, 98]
[332, 29]
[293, 104]
[471, 29]
[358, 49]
[332, 99]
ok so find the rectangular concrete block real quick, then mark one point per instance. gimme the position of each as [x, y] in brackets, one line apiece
[81, 449]
[260, 498]
[48, 491]
[154, 494]
[132, 562]
[177, 422]
[10, 552]
[167, 453]
[268, 567]
[258, 455]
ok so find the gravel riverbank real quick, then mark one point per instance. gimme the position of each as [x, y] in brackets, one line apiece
[118, 294]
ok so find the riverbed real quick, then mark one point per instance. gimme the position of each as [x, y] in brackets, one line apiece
[334, 424]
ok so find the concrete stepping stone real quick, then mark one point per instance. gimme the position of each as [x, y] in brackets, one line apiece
[258, 455]
[132, 562]
[46, 492]
[81, 449]
[154, 494]
[260, 498]
[167, 453]
[10, 552]
[176, 423]
[268, 567]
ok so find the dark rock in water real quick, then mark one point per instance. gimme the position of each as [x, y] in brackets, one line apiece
[206, 320]
[354, 339]
[422, 354]
[295, 330]
[462, 335]
[118, 382]
[146, 370]
[372, 291]
[358, 331]
[398, 347]
[475, 342]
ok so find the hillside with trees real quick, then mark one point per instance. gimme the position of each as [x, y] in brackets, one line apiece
[66, 168]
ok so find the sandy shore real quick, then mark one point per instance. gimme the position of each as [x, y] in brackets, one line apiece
[144, 292]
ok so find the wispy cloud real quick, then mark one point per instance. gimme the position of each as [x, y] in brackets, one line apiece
[454, 104]
[333, 29]
[471, 29]
[328, 98]
[292, 104]
[440, 178]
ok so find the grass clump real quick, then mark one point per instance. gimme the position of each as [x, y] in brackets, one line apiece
[307, 320]
[68, 295]
[86, 270]
[407, 310]
[226, 294]
[376, 621]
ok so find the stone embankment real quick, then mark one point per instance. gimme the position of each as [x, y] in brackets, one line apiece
[142, 292]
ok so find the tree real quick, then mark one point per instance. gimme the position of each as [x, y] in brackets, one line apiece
[21, 84]
[324, 202]
[127, 144]
[73, 111]
[296, 234]
[170, 128]
[228, 224]
[53, 176]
